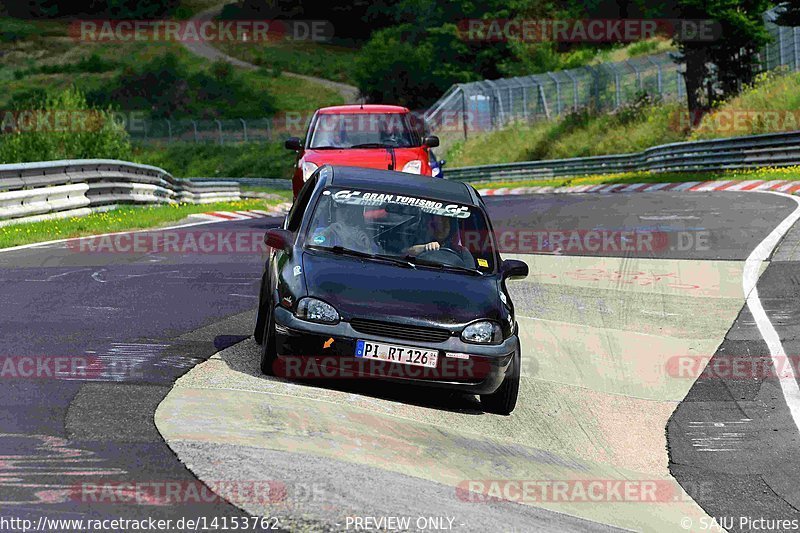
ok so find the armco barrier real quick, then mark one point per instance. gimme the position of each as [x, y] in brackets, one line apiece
[274, 183]
[768, 150]
[33, 191]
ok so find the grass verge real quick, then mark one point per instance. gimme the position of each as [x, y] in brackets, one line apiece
[244, 160]
[328, 61]
[121, 219]
[785, 173]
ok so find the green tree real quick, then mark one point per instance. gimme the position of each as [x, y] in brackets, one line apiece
[788, 14]
[718, 68]
[111, 8]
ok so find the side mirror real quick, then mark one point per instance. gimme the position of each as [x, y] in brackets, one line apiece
[293, 143]
[279, 239]
[442, 162]
[513, 269]
[431, 141]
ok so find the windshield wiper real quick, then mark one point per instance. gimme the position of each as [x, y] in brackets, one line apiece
[373, 145]
[328, 148]
[434, 264]
[341, 250]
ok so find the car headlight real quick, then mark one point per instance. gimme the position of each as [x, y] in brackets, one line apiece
[315, 310]
[308, 168]
[483, 332]
[413, 167]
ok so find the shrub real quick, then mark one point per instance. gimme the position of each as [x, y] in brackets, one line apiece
[64, 127]
[167, 87]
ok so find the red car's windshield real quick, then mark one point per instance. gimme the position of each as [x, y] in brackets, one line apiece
[363, 130]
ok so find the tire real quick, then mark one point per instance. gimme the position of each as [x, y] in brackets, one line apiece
[258, 331]
[261, 315]
[269, 354]
[504, 399]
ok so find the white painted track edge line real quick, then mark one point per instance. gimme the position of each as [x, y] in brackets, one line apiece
[750, 275]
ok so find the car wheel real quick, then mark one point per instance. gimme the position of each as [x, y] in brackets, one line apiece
[504, 399]
[269, 354]
[261, 315]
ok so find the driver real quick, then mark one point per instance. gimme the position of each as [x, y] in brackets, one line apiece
[445, 236]
[436, 227]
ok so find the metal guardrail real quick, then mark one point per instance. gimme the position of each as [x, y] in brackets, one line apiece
[35, 191]
[768, 150]
[275, 183]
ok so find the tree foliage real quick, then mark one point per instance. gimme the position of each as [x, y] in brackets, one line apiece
[788, 14]
[167, 87]
[128, 9]
[717, 69]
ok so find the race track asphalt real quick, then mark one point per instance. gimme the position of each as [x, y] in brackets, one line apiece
[590, 408]
[141, 320]
[600, 330]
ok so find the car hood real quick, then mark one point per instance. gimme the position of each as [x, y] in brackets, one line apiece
[382, 291]
[379, 158]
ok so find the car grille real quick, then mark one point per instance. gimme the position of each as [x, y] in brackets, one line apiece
[400, 331]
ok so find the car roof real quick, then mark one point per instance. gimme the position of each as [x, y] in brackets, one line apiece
[401, 183]
[366, 108]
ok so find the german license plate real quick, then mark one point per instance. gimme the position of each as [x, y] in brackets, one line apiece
[397, 354]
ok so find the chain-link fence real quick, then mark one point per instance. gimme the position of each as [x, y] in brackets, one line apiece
[491, 104]
[784, 50]
[486, 105]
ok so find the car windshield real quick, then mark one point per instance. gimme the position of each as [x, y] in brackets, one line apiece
[424, 232]
[363, 130]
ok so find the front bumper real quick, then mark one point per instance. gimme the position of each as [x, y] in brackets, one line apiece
[307, 350]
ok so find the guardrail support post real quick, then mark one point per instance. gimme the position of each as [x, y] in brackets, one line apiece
[464, 112]
[659, 82]
[169, 129]
[638, 74]
[558, 92]
[244, 128]
[219, 129]
[194, 126]
[781, 56]
[544, 102]
[574, 90]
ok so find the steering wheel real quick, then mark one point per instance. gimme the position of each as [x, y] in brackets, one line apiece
[430, 255]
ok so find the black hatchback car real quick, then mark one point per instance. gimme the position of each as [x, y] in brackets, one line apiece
[390, 275]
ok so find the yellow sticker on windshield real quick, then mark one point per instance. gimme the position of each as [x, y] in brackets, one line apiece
[483, 263]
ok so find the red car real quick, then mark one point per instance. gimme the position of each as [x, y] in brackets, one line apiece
[371, 136]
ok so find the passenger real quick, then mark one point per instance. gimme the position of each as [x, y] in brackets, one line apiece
[347, 228]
